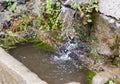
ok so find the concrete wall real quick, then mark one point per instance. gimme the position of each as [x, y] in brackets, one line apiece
[110, 8]
[14, 72]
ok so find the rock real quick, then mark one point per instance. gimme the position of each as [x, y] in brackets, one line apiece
[105, 29]
[117, 81]
[1, 18]
[6, 15]
[2, 34]
[110, 8]
[1, 26]
[113, 24]
[7, 0]
[70, 2]
[67, 17]
[6, 24]
[21, 8]
[14, 72]
[103, 77]
[104, 49]
[48, 38]
[21, 1]
[3, 5]
[36, 5]
[1, 8]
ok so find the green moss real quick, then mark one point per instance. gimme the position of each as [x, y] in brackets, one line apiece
[34, 40]
[10, 40]
[90, 74]
[117, 81]
[45, 47]
[115, 48]
[117, 61]
[40, 44]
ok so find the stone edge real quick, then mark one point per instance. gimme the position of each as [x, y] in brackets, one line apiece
[17, 68]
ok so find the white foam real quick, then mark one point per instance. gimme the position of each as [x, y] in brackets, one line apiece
[65, 51]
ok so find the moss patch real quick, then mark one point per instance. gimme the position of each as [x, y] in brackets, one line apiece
[41, 45]
[34, 40]
[117, 81]
[44, 46]
[90, 74]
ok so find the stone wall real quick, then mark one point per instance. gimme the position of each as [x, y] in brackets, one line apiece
[14, 72]
[110, 8]
[106, 28]
[104, 76]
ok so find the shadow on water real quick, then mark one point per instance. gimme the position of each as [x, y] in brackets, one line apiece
[43, 63]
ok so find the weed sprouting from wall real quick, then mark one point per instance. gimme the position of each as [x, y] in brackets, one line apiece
[49, 19]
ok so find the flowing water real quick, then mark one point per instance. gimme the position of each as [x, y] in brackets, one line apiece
[49, 67]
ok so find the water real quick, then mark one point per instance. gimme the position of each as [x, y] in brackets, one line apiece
[49, 67]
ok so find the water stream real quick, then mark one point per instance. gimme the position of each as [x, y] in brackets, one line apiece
[50, 67]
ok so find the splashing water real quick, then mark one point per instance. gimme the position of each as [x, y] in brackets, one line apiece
[71, 50]
[65, 50]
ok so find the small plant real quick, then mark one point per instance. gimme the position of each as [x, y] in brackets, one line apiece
[49, 19]
[22, 24]
[11, 39]
[115, 48]
[11, 6]
[85, 19]
[24, 27]
[110, 82]
[89, 74]
[19, 31]
[86, 10]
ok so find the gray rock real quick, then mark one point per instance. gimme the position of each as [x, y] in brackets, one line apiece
[21, 8]
[22, 1]
[69, 2]
[14, 72]
[3, 5]
[114, 24]
[103, 77]
[66, 16]
[2, 34]
[35, 7]
[110, 8]
[1, 18]
[1, 8]
[7, 0]
[105, 30]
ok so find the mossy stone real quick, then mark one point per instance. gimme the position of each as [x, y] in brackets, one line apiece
[90, 74]
[117, 81]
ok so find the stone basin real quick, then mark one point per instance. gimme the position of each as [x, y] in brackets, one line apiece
[14, 72]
